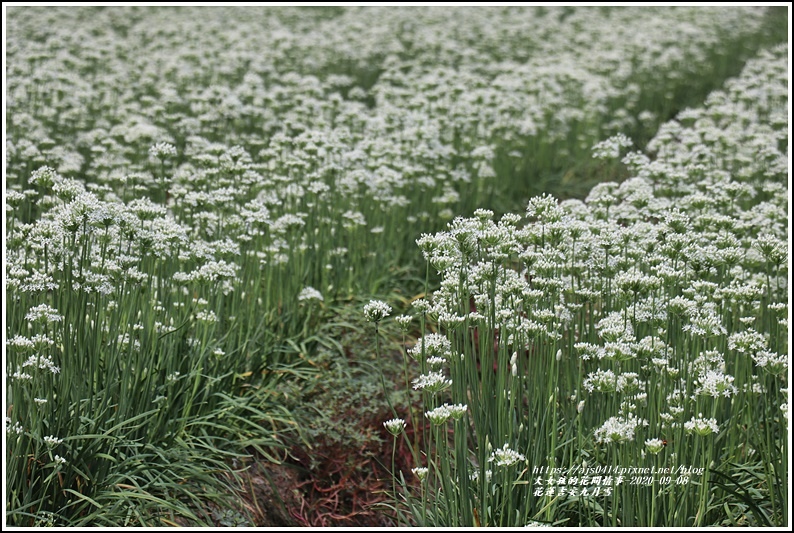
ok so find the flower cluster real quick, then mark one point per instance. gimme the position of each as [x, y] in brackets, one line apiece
[375, 311]
[43, 313]
[618, 429]
[441, 414]
[420, 472]
[52, 441]
[505, 456]
[395, 426]
[310, 293]
[433, 381]
[702, 426]
[655, 445]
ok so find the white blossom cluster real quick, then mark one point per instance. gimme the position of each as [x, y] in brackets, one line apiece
[395, 426]
[641, 270]
[52, 441]
[433, 381]
[702, 426]
[376, 310]
[505, 456]
[310, 293]
[444, 412]
[618, 429]
[654, 445]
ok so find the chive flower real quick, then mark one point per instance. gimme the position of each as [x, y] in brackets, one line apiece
[395, 426]
[375, 311]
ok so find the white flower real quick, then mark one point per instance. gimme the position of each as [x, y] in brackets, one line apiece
[617, 429]
[353, 219]
[43, 313]
[421, 305]
[702, 426]
[439, 415]
[475, 475]
[431, 382]
[310, 293]
[601, 381]
[16, 427]
[457, 411]
[23, 376]
[629, 382]
[772, 362]
[749, 341]
[395, 426]
[654, 445]
[610, 148]
[41, 362]
[206, 315]
[420, 472]
[375, 311]
[404, 320]
[162, 150]
[715, 384]
[52, 441]
[20, 343]
[435, 362]
[505, 456]
[615, 328]
[434, 344]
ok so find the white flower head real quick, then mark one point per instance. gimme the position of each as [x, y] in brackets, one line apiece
[310, 293]
[439, 415]
[505, 456]
[433, 344]
[431, 382]
[702, 426]
[52, 441]
[404, 320]
[16, 427]
[654, 445]
[162, 150]
[715, 384]
[457, 411]
[420, 472]
[395, 426]
[43, 313]
[611, 148]
[375, 311]
[618, 429]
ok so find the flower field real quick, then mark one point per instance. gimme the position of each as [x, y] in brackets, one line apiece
[396, 266]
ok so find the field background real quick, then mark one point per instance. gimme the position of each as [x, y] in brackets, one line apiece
[581, 213]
